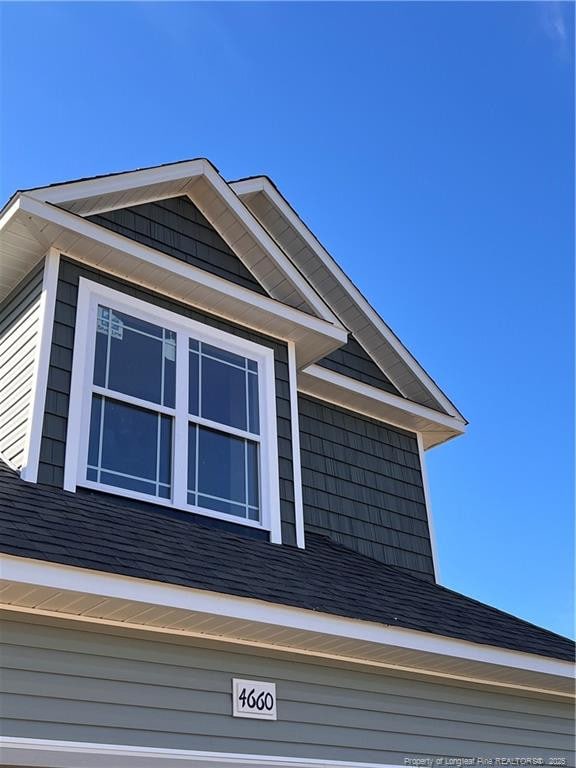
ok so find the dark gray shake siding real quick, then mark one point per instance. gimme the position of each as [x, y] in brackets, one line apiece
[352, 360]
[362, 486]
[52, 454]
[91, 686]
[19, 336]
[176, 227]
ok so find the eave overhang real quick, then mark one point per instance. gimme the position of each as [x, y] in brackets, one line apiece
[50, 590]
[435, 427]
[30, 227]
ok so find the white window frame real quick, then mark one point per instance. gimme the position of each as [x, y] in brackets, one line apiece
[90, 295]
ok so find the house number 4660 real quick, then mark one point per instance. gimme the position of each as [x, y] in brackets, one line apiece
[253, 698]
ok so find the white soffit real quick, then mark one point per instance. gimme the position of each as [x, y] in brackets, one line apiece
[51, 590]
[312, 259]
[201, 182]
[31, 227]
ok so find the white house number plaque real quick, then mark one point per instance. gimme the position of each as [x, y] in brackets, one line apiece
[253, 698]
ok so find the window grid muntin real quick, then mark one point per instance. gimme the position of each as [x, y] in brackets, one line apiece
[253, 370]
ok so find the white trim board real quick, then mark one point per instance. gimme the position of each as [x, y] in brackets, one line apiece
[69, 578]
[295, 434]
[48, 753]
[29, 470]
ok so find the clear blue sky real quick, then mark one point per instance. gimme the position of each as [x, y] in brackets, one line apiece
[429, 146]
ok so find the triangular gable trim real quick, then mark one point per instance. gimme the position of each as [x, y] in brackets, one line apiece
[201, 182]
[314, 261]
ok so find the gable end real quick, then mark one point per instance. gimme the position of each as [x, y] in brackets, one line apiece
[176, 226]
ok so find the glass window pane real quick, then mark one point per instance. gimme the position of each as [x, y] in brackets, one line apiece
[193, 383]
[221, 469]
[129, 442]
[135, 366]
[192, 429]
[219, 505]
[165, 451]
[101, 347]
[253, 414]
[129, 483]
[223, 393]
[252, 473]
[193, 345]
[223, 354]
[135, 324]
[94, 441]
[169, 393]
[253, 366]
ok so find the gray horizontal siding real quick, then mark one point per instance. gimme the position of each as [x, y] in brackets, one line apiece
[52, 452]
[175, 226]
[353, 361]
[87, 686]
[19, 335]
[362, 486]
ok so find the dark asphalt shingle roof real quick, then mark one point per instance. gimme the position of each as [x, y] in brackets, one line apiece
[91, 531]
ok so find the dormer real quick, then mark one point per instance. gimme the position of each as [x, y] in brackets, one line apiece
[173, 340]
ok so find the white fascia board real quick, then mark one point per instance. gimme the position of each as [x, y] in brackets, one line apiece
[70, 578]
[377, 397]
[98, 234]
[262, 184]
[118, 182]
[181, 172]
[49, 753]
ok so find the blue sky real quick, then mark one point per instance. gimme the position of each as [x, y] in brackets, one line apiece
[430, 148]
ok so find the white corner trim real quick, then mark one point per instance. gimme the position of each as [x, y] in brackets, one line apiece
[262, 184]
[426, 489]
[71, 578]
[48, 753]
[41, 367]
[295, 433]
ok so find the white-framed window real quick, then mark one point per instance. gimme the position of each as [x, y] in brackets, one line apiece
[172, 411]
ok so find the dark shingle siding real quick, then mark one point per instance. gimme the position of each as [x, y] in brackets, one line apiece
[362, 486]
[353, 361]
[51, 468]
[106, 534]
[176, 227]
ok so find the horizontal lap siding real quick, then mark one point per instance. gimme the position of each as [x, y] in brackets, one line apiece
[353, 361]
[175, 226]
[19, 335]
[88, 686]
[52, 454]
[362, 486]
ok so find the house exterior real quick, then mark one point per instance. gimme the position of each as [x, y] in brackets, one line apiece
[217, 546]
